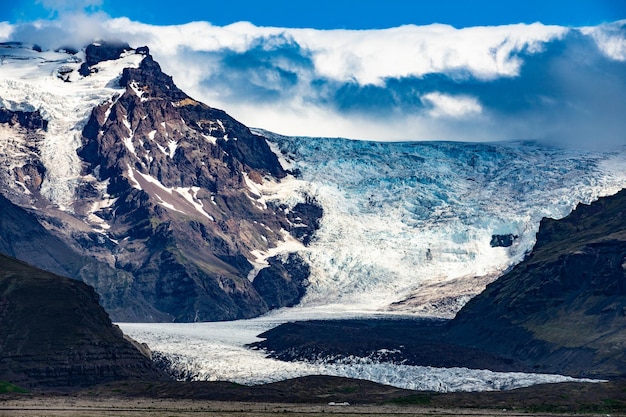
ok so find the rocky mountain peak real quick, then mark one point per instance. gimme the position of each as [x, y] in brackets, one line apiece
[102, 51]
[170, 201]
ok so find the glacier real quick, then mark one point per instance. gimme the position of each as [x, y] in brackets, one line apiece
[216, 351]
[406, 231]
[403, 221]
[406, 228]
[49, 82]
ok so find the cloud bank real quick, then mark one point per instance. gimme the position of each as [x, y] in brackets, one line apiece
[552, 83]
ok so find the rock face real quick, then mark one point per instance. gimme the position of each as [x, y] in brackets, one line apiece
[169, 221]
[29, 120]
[54, 334]
[503, 241]
[98, 52]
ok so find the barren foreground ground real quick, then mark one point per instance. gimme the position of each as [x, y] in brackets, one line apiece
[313, 396]
[123, 407]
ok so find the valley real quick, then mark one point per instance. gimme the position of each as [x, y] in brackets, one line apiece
[242, 255]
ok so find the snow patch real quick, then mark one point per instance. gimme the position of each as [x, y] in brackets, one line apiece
[210, 139]
[138, 92]
[131, 176]
[98, 205]
[171, 146]
[166, 204]
[128, 141]
[191, 195]
[288, 245]
[179, 199]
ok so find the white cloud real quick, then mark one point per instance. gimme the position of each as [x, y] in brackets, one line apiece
[610, 39]
[6, 29]
[368, 56]
[373, 55]
[444, 105]
[410, 82]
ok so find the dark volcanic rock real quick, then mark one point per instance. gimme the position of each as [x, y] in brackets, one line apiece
[409, 342]
[54, 334]
[103, 51]
[284, 282]
[305, 219]
[503, 241]
[27, 119]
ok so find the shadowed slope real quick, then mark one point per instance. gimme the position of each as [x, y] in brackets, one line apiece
[54, 334]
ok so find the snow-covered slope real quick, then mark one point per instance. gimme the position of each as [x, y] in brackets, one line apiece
[49, 82]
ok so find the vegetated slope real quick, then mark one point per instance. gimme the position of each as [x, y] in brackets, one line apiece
[563, 309]
[161, 207]
[54, 334]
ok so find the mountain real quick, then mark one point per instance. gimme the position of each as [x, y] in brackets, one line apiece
[562, 310]
[54, 334]
[151, 197]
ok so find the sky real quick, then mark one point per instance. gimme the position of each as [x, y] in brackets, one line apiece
[332, 14]
[395, 70]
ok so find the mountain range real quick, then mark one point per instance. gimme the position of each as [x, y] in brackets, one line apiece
[174, 211]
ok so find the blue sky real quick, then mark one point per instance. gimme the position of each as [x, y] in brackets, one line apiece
[486, 72]
[333, 14]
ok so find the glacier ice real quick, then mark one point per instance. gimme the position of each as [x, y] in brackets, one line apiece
[403, 217]
[216, 352]
[402, 220]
